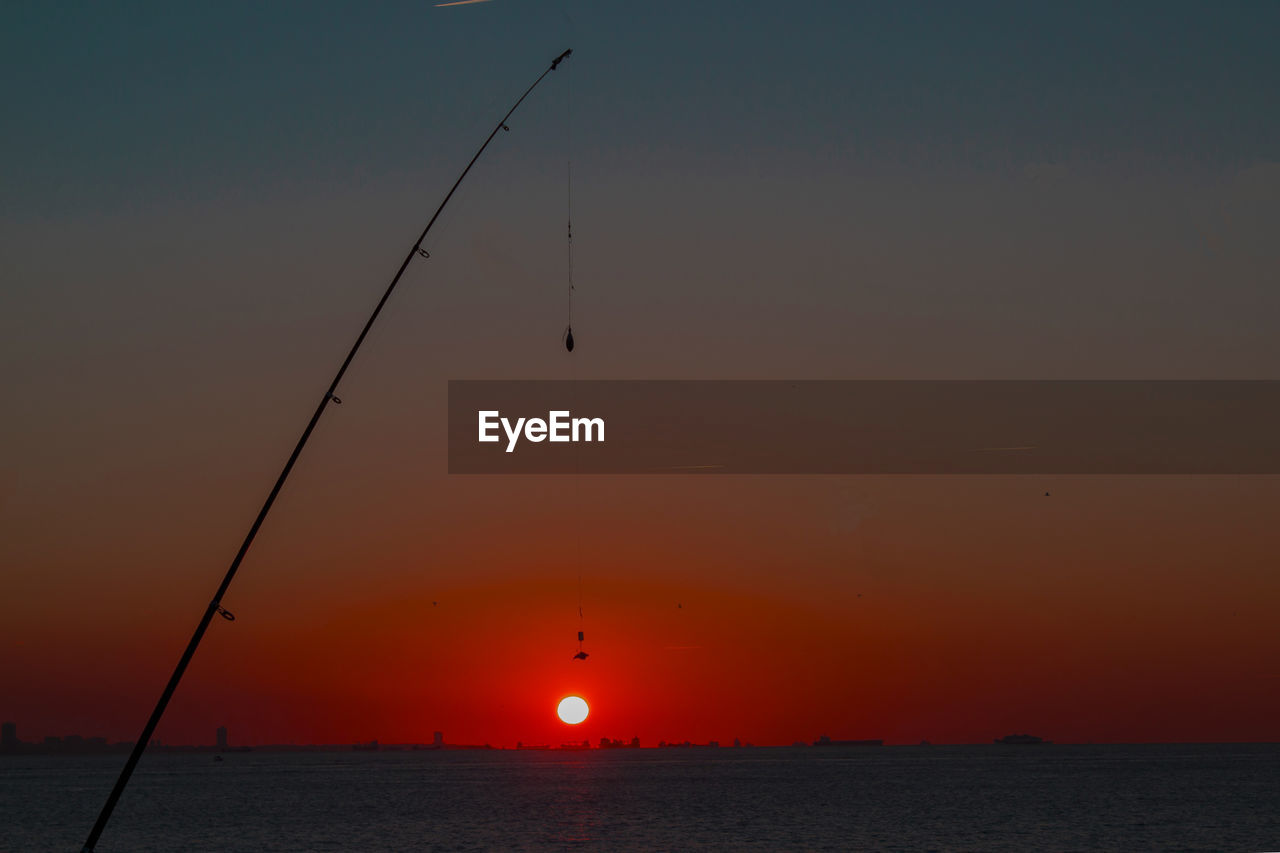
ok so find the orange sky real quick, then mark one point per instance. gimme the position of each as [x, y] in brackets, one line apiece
[766, 608]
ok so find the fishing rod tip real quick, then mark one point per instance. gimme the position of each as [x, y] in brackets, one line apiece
[560, 58]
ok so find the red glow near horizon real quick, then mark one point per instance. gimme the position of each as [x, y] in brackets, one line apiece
[957, 627]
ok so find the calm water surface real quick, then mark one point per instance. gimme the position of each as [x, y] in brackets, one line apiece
[893, 798]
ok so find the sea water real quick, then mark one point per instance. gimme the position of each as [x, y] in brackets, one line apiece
[1048, 797]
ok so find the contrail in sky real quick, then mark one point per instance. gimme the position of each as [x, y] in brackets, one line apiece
[460, 3]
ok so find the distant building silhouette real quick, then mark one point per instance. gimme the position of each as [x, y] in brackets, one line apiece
[9, 736]
[826, 741]
[222, 737]
[437, 739]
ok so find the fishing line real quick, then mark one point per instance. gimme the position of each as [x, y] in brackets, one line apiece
[568, 344]
[568, 172]
[581, 655]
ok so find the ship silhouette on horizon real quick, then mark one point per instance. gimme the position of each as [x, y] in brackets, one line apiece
[1020, 740]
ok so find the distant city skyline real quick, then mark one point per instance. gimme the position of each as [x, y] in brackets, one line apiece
[11, 743]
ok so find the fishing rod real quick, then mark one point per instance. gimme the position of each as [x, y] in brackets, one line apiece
[215, 607]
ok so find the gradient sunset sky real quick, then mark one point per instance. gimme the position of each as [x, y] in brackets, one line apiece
[199, 206]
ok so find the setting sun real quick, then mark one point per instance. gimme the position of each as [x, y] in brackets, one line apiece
[572, 709]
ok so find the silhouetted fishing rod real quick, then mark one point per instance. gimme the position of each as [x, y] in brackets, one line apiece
[215, 606]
